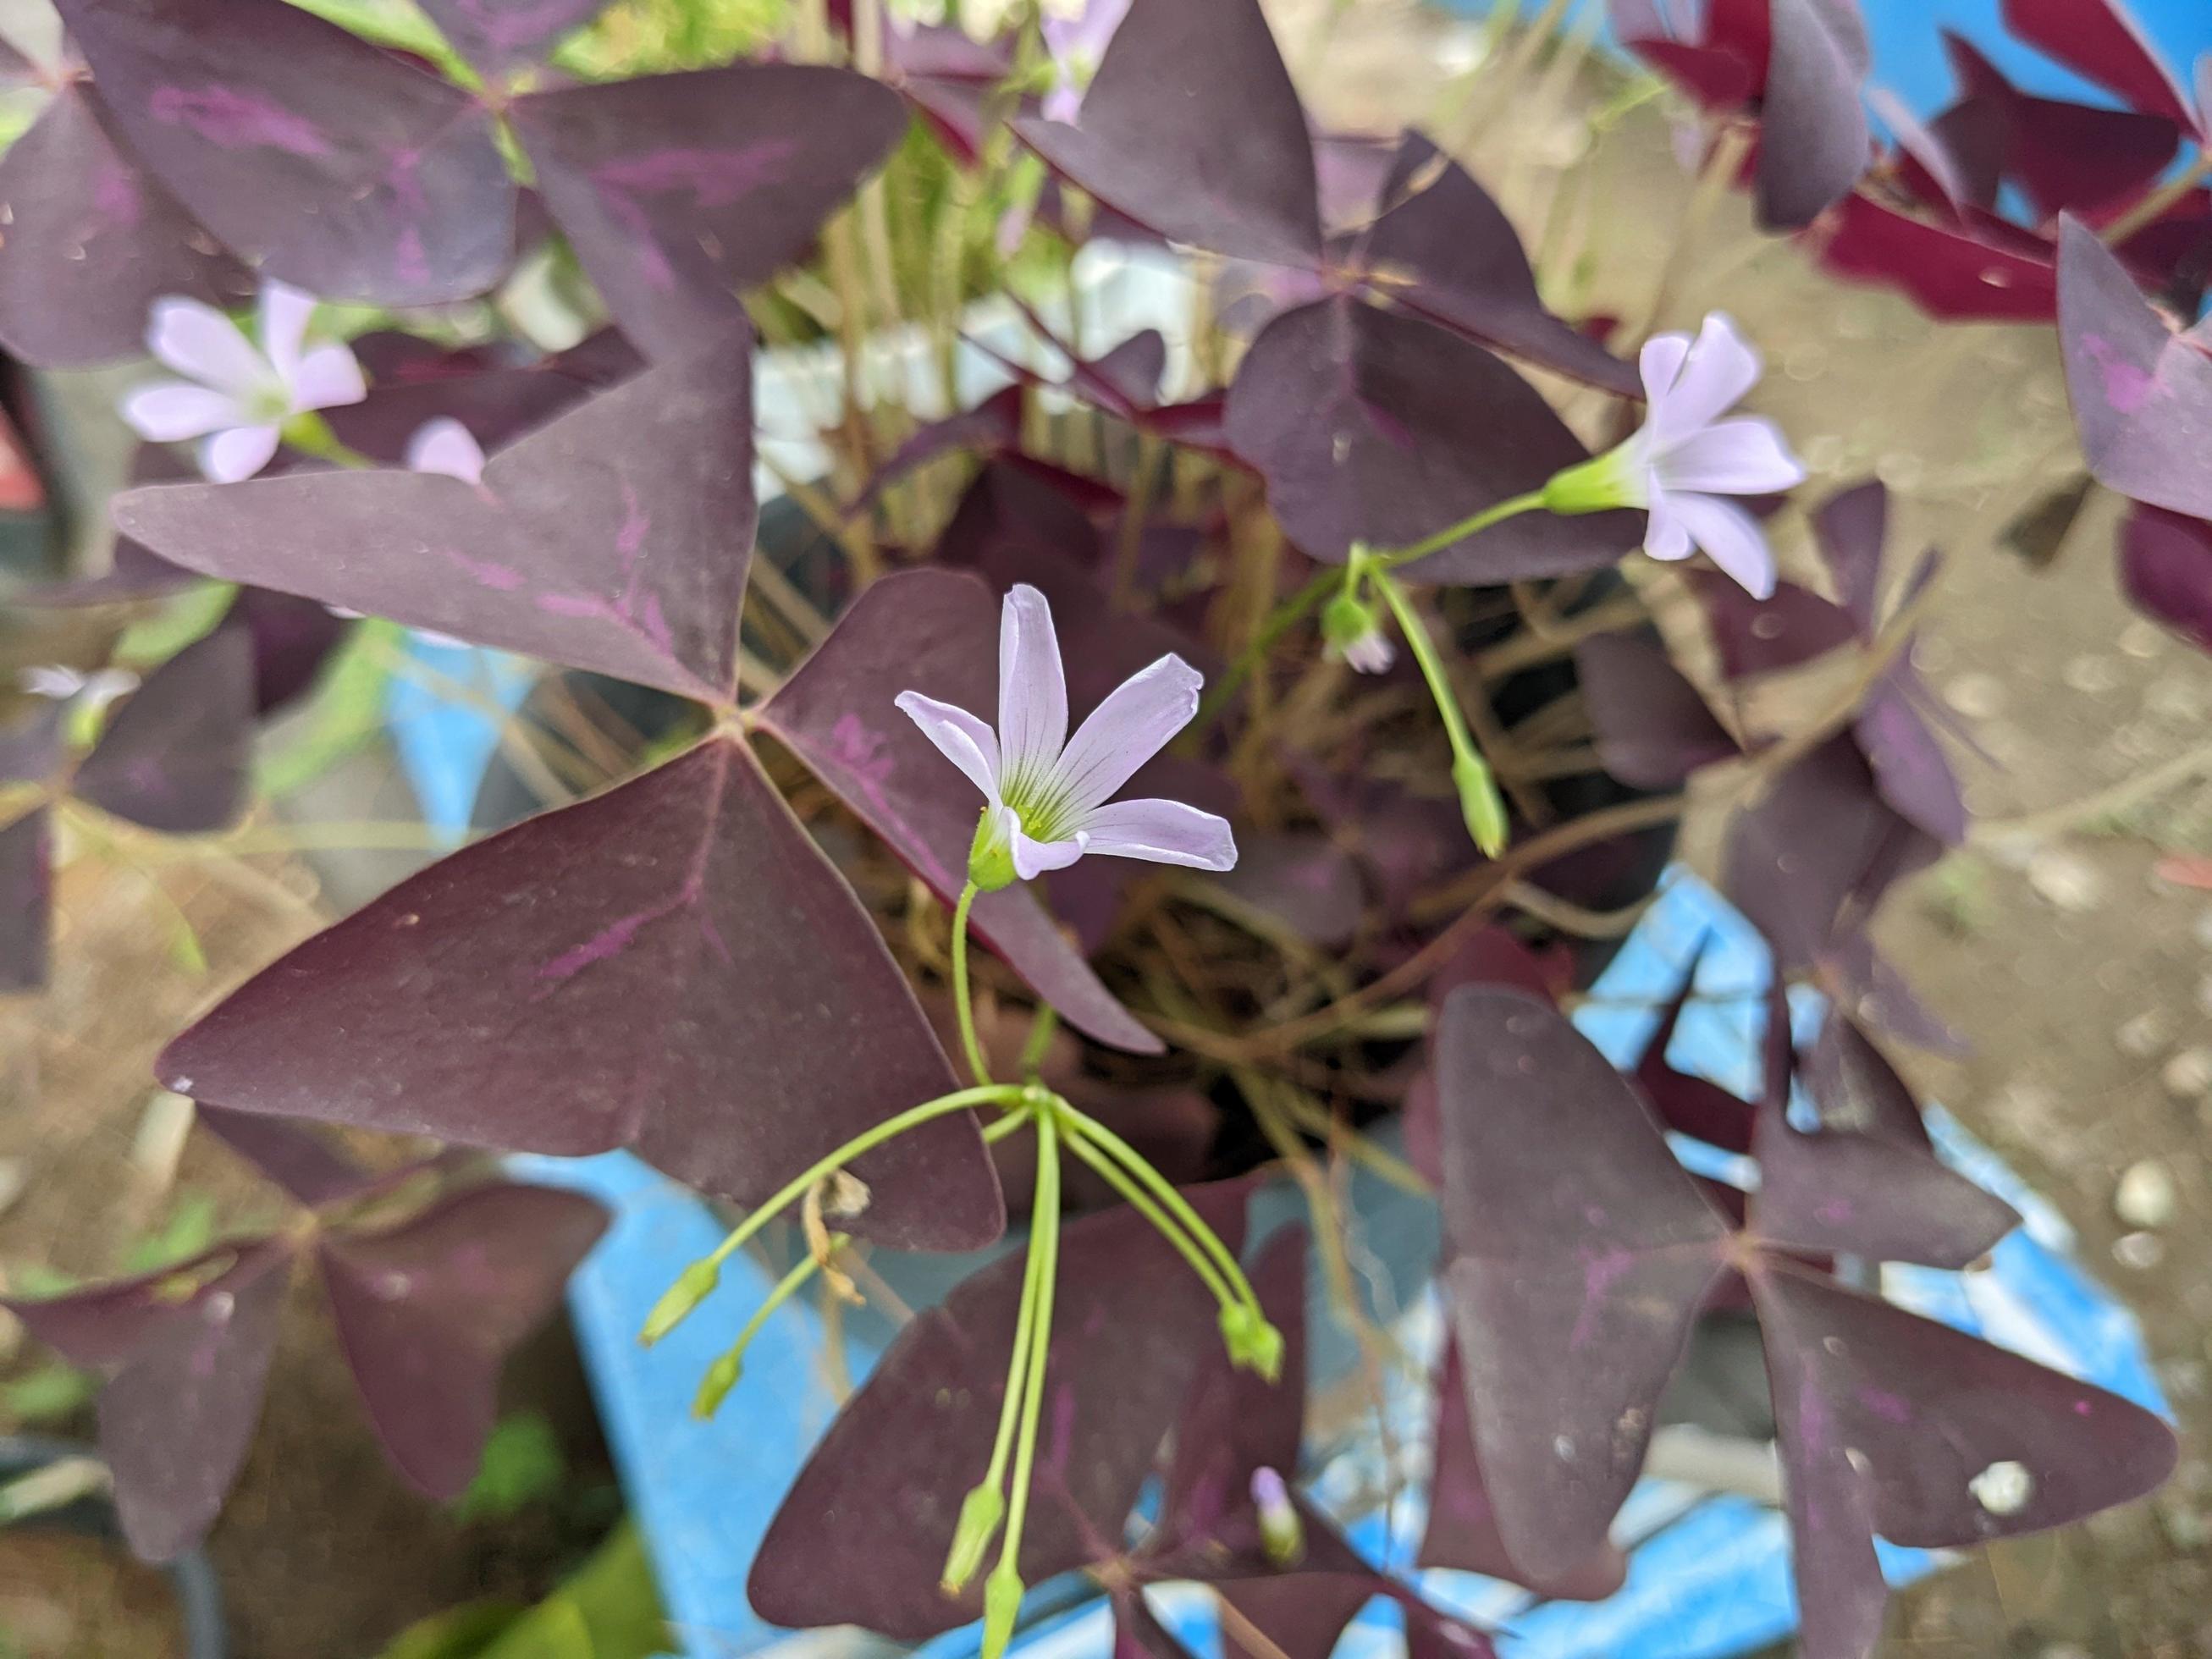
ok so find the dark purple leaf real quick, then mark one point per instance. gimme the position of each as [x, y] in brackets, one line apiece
[1653, 727]
[188, 1351]
[1764, 637]
[934, 632]
[174, 756]
[2062, 155]
[616, 538]
[1572, 1280]
[2101, 41]
[1813, 139]
[1849, 529]
[1951, 274]
[25, 901]
[993, 425]
[1856, 1089]
[1895, 1424]
[133, 572]
[2142, 396]
[861, 1537]
[497, 404]
[950, 79]
[1304, 880]
[1138, 1634]
[290, 638]
[2166, 571]
[1686, 1103]
[427, 1312]
[1910, 767]
[1462, 1528]
[1861, 980]
[1447, 252]
[92, 241]
[1374, 426]
[1191, 127]
[498, 36]
[671, 965]
[305, 1162]
[340, 168]
[675, 190]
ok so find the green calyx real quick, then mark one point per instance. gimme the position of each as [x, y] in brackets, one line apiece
[1002, 1605]
[981, 1512]
[1253, 1342]
[1347, 620]
[692, 1287]
[714, 1387]
[1599, 483]
[991, 854]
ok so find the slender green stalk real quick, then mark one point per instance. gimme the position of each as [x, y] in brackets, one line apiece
[995, 1133]
[961, 999]
[722, 1375]
[1284, 617]
[1080, 1125]
[1479, 800]
[1390, 558]
[1002, 1594]
[1045, 1022]
[1138, 1200]
[311, 434]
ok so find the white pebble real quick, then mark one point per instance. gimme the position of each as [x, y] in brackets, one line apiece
[2003, 1488]
[2146, 1196]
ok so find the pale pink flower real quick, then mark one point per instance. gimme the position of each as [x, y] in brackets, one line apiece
[235, 397]
[1048, 796]
[443, 446]
[1076, 35]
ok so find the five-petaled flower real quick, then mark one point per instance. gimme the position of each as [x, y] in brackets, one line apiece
[1686, 459]
[236, 397]
[1047, 796]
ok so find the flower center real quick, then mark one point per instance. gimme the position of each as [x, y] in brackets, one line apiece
[1044, 804]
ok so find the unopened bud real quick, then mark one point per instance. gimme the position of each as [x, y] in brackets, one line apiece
[1002, 1605]
[721, 1377]
[1254, 1344]
[1350, 629]
[1281, 1535]
[1481, 805]
[692, 1287]
[980, 1511]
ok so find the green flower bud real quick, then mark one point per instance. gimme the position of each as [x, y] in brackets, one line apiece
[1002, 1605]
[991, 854]
[721, 1377]
[1254, 1344]
[1281, 1535]
[980, 1511]
[692, 1287]
[1481, 805]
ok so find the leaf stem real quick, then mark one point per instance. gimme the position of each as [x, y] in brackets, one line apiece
[1479, 800]
[1010, 1408]
[1002, 1597]
[1284, 618]
[1511, 507]
[722, 1375]
[961, 999]
[1138, 1200]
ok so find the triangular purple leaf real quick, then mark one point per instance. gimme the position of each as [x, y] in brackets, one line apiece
[1763, 636]
[290, 640]
[1910, 766]
[935, 632]
[1949, 273]
[1856, 1089]
[1653, 726]
[1138, 1632]
[1572, 1280]
[674, 189]
[2101, 41]
[616, 539]
[174, 756]
[1686, 1103]
[1375, 426]
[92, 241]
[1192, 127]
[1849, 529]
[25, 901]
[427, 1310]
[2166, 571]
[671, 965]
[1812, 141]
[338, 166]
[305, 1162]
[948, 79]
[498, 36]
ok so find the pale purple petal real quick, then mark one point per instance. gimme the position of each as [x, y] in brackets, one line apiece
[1032, 689]
[1746, 456]
[1720, 368]
[1660, 365]
[446, 447]
[238, 453]
[1033, 858]
[327, 378]
[1665, 535]
[967, 742]
[1133, 724]
[1163, 831]
[1076, 44]
[201, 343]
[1731, 538]
[284, 314]
[173, 410]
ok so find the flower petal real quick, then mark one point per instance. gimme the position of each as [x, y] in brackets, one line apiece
[238, 453]
[201, 343]
[171, 410]
[1163, 831]
[1720, 368]
[963, 738]
[1032, 691]
[1660, 363]
[1731, 538]
[1747, 456]
[444, 445]
[284, 313]
[1665, 536]
[1033, 858]
[328, 377]
[1133, 724]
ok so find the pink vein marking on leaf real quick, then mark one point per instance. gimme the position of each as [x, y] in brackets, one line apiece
[516, 27]
[115, 195]
[486, 573]
[2127, 385]
[1601, 1270]
[231, 119]
[610, 941]
[1890, 1408]
[713, 178]
[864, 754]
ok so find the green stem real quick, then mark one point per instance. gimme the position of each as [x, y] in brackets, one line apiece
[1081, 1127]
[1284, 617]
[1390, 558]
[1479, 800]
[995, 1133]
[1002, 1596]
[1042, 1026]
[1138, 1200]
[311, 434]
[1034, 1271]
[961, 999]
[722, 1375]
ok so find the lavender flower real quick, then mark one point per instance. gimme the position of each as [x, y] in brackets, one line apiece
[1048, 795]
[443, 446]
[1686, 461]
[1353, 633]
[236, 397]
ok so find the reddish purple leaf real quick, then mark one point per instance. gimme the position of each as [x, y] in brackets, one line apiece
[1849, 529]
[935, 632]
[1812, 141]
[497, 404]
[1686, 1103]
[1653, 727]
[1138, 1634]
[948, 79]
[174, 756]
[1374, 426]
[1572, 1280]
[1910, 767]
[2102, 42]
[1304, 880]
[616, 539]
[498, 36]
[428, 1311]
[1952, 275]
[1856, 1089]
[861, 1535]
[1764, 637]
[1447, 252]
[25, 901]
[993, 425]
[305, 1162]
[187, 1350]
[2165, 570]
[1895, 1424]
[1861, 979]
[674, 189]
[2141, 395]
[290, 640]
[2062, 155]
[671, 965]
[340, 168]
[1192, 128]
[92, 241]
